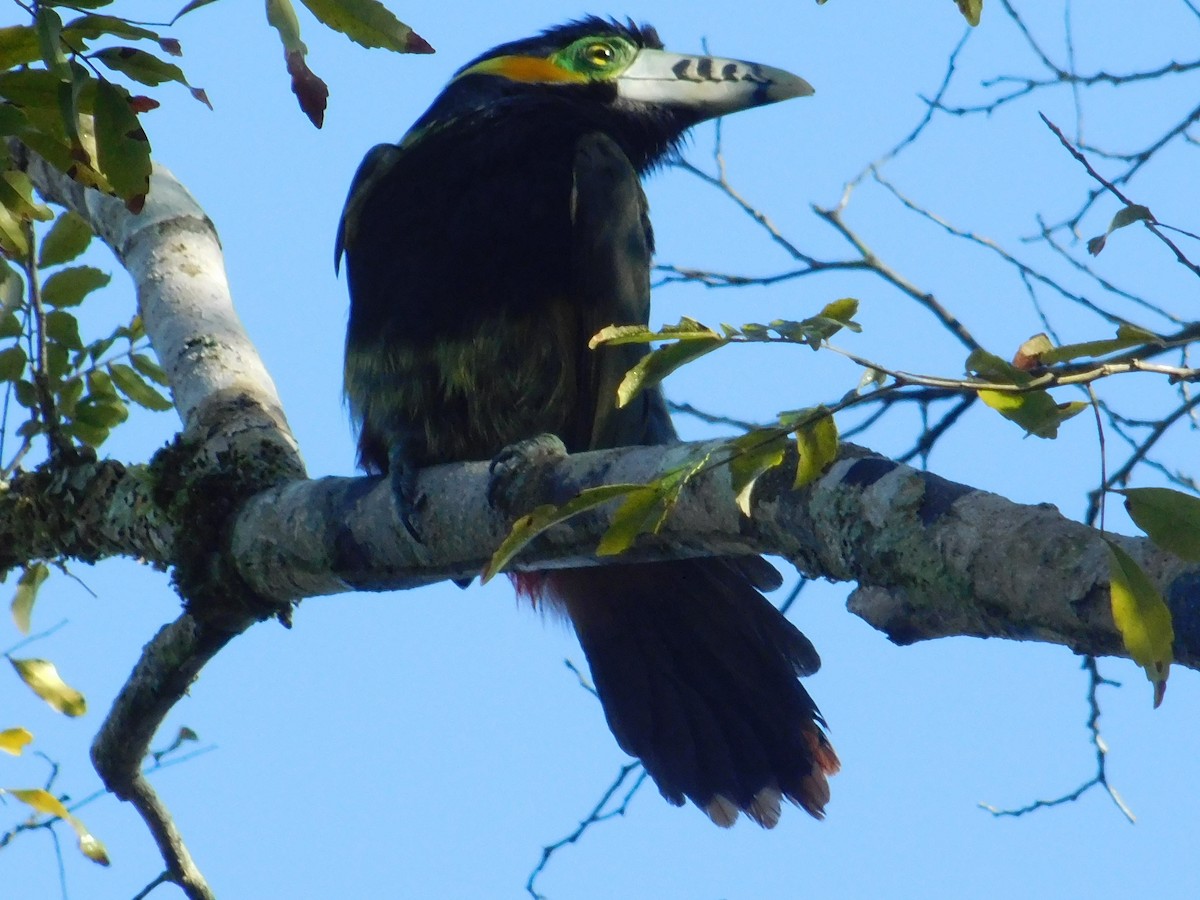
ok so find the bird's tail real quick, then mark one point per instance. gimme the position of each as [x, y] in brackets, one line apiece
[697, 673]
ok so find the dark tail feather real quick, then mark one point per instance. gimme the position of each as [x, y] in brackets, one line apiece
[697, 673]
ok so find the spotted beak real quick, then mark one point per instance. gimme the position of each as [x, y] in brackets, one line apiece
[708, 86]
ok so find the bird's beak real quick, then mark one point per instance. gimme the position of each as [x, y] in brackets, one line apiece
[708, 86]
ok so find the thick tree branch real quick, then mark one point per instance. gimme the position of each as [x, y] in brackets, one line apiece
[235, 443]
[932, 558]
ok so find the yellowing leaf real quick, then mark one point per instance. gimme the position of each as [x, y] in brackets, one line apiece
[43, 678]
[643, 512]
[14, 740]
[47, 804]
[817, 444]
[971, 10]
[42, 801]
[1142, 618]
[27, 589]
[756, 452]
[1171, 519]
[661, 362]
[528, 527]
[1035, 411]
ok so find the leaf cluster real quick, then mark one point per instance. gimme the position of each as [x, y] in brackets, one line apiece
[73, 392]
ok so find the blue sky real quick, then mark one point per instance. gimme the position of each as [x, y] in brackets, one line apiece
[429, 743]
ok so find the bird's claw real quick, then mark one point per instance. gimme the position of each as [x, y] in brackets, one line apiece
[407, 497]
[510, 468]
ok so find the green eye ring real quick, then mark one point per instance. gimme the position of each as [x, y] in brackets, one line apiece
[596, 57]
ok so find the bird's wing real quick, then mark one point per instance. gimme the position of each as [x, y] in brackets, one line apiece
[610, 268]
[611, 249]
[375, 165]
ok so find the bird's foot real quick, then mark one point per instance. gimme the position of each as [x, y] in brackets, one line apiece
[407, 497]
[511, 468]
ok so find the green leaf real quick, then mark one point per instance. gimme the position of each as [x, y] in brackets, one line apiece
[659, 363]
[26, 394]
[1135, 334]
[99, 384]
[91, 435]
[18, 46]
[12, 293]
[140, 65]
[146, 68]
[686, 330]
[643, 512]
[281, 16]
[1142, 618]
[100, 412]
[27, 589]
[122, 149]
[14, 740]
[1035, 411]
[47, 804]
[1171, 519]
[68, 396]
[368, 22]
[1125, 216]
[150, 368]
[66, 239]
[190, 7]
[816, 443]
[58, 360]
[132, 386]
[528, 527]
[69, 287]
[43, 678]
[48, 25]
[12, 363]
[92, 26]
[36, 90]
[62, 327]
[755, 452]
[992, 368]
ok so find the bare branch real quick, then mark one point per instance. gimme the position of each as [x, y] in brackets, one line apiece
[1112, 188]
[1100, 778]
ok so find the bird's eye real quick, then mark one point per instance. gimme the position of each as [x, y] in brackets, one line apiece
[599, 55]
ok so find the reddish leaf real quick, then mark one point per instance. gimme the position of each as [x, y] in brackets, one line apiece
[310, 90]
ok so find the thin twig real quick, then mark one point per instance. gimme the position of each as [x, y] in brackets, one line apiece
[1101, 777]
[594, 817]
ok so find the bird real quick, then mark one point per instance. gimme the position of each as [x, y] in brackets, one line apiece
[483, 251]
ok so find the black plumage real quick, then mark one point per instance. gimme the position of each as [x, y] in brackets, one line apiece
[483, 251]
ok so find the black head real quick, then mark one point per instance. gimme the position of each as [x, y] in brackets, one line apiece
[598, 74]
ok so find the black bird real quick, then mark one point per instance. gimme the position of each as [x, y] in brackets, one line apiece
[483, 251]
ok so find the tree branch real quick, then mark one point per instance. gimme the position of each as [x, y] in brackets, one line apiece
[235, 443]
[932, 558]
